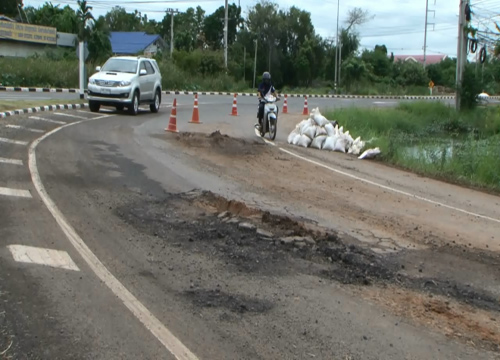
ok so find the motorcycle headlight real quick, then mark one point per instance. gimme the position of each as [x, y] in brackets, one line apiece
[125, 83]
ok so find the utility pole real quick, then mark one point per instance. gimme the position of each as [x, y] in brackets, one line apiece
[461, 51]
[245, 64]
[225, 32]
[255, 63]
[340, 57]
[172, 12]
[427, 11]
[337, 46]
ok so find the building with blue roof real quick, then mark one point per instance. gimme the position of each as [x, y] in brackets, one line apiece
[135, 43]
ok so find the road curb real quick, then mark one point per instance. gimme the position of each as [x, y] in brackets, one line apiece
[42, 109]
[326, 96]
[394, 97]
[222, 93]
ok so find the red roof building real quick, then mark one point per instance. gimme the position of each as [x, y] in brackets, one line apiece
[430, 59]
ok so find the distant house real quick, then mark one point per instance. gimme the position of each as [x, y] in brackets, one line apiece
[135, 43]
[429, 59]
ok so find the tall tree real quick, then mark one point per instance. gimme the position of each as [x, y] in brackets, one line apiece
[85, 19]
[213, 26]
[10, 7]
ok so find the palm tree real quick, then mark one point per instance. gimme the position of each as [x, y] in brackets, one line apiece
[84, 15]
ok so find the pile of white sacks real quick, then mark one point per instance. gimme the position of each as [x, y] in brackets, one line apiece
[319, 133]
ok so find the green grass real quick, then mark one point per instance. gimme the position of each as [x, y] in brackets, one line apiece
[419, 136]
[58, 71]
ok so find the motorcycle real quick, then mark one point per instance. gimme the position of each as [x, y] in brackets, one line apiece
[270, 120]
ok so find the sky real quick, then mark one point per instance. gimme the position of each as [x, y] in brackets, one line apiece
[398, 24]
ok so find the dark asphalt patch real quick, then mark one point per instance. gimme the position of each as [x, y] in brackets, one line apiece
[191, 221]
[235, 303]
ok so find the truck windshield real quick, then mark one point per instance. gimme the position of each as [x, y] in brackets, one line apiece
[120, 65]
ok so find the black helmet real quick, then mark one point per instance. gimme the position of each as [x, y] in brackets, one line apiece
[266, 77]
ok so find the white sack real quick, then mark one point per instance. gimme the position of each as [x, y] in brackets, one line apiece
[304, 141]
[340, 144]
[292, 136]
[309, 131]
[329, 143]
[318, 142]
[370, 153]
[296, 139]
[320, 131]
[319, 119]
[330, 130]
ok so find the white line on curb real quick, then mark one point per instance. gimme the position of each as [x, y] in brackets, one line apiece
[14, 192]
[171, 343]
[24, 128]
[389, 188]
[11, 161]
[47, 120]
[15, 142]
[40, 256]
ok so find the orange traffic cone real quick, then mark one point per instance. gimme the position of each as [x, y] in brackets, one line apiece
[306, 108]
[196, 114]
[172, 125]
[285, 106]
[235, 106]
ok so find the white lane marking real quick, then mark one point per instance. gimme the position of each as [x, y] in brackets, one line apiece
[11, 161]
[101, 117]
[47, 120]
[390, 188]
[71, 115]
[98, 115]
[171, 343]
[385, 102]
[40, 256]
[14, 192]
[24, 128]
[15, 142]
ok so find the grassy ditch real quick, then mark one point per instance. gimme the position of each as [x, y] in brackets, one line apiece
[432, 139]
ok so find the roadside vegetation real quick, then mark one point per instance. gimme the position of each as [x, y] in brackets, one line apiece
[285, 39]
[433, 139]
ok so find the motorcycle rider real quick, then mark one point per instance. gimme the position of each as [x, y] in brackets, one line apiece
[265, 88]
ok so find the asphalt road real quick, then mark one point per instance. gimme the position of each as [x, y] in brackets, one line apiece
[143, 273]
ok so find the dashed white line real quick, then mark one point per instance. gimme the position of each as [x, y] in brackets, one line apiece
[15, 142]
[171, 343]
[24, 128]
[11, 161]
[390, 188]
[38, 118]
[15, 192]
[71, 116]
[40, 256]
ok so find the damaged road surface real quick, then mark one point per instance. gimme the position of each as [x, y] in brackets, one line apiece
[243, 252]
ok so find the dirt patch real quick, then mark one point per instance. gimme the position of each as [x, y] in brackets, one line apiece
[219, 204]
[232, 302]
[463, 322]
[219, 143]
